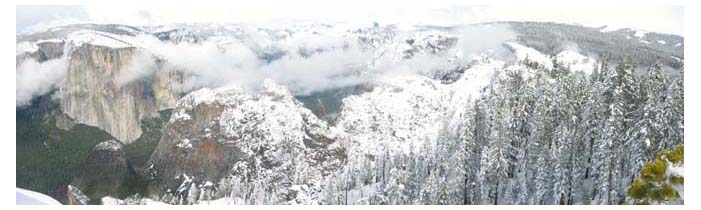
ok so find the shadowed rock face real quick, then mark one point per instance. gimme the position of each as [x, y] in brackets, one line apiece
[103, 172]
[186, 148]
[91, 94]
[47, 51]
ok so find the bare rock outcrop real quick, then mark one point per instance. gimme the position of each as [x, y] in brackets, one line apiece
[91, 93]
[103, 172]
[76, 197]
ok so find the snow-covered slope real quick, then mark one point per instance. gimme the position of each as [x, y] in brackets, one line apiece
[528, 54]
[396, 114]
[401, 112]
[26, 197]
[234, 126]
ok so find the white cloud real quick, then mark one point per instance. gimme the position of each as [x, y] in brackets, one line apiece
[34, 78]
[208, 63]
[211, 65]
[312, 61]
[142, 64]
[329, 69]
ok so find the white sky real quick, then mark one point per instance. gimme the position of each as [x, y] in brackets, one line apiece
[646, 16]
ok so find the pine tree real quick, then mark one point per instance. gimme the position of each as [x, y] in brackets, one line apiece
[475, 141]
[537, 155]
[395, 190]
[561, 146]
[672, 114]
[661, 181]
[413, 179]
[499, 146]
[646, 134]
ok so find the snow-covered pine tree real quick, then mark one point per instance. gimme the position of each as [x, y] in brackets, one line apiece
[672, 114]
[500, 147]
[475, 140]
[519, 98]
[395, 191]
[561, 116]
[646, 133]
[481, 133]
[537, 149]
[413, 179]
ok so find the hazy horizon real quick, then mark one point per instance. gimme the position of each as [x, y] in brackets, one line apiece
[655, 18]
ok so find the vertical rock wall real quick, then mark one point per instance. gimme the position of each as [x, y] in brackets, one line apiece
[90, 93]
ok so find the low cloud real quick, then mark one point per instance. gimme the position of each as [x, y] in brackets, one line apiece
[480, 39]
[208, 64]
[35, 79]
[305, 61]
[141, 65]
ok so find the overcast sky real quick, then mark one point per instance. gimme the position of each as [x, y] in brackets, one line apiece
[658, 18]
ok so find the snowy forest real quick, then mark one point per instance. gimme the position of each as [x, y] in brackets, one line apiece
[548, 136]
[556, 137]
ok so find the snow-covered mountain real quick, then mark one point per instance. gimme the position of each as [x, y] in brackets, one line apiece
[445, 114]
[267, 139]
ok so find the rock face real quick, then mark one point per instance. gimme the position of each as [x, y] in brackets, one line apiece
[76, 197]
[92, 95]
[267, 138]
[99, 88]
[103, 172]
[45, 51]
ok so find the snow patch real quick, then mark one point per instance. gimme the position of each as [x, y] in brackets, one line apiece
[185, 143]
[640, 33]
[111, 201]
[108, 200]
[607, 28]
[207, 96]
[576, 61]
[524, 53]
[97, 38]
[110, 145]
[179, 115]
[676, 170]
[224, 201]
[678, 59]
[27, 197]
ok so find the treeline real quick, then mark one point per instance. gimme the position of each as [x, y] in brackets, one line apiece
[552, 38]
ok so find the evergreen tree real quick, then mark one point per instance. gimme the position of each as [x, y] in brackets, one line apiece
[661, 181]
